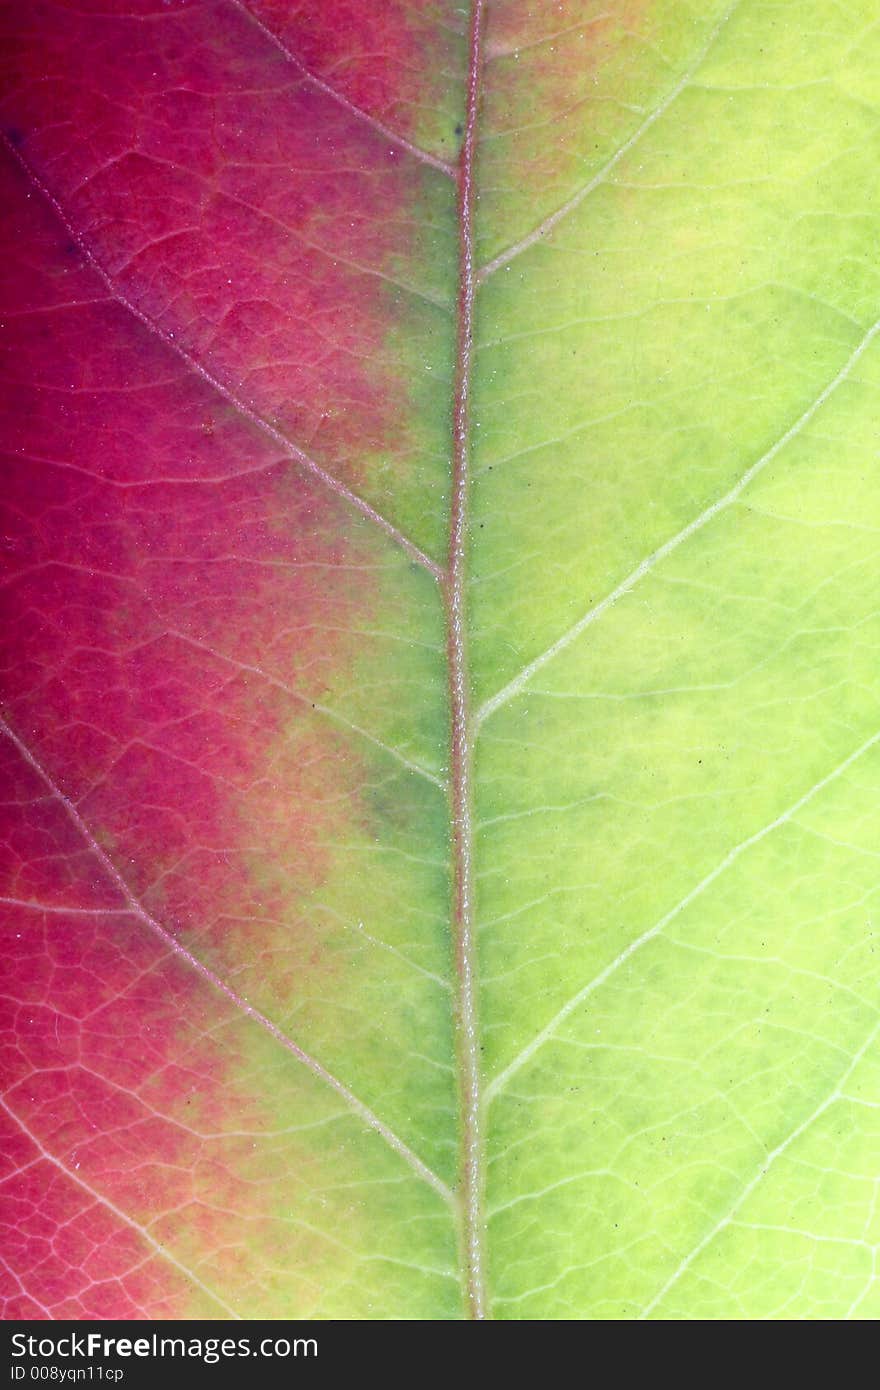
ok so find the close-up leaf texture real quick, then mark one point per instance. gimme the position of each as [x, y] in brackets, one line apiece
[441, 659]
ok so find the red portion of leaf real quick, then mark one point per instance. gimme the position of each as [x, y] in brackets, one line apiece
[383, 58]
[152, 528]
[86, 1111]
[201, 245]
[257, 223]
[118, 585]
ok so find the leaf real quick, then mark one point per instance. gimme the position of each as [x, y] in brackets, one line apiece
[440, 719]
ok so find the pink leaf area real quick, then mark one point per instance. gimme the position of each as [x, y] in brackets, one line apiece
[213, 278]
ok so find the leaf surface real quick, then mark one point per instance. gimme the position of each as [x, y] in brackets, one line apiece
[441, 731]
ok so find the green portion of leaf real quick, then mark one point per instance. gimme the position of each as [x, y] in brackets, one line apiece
[675, 576]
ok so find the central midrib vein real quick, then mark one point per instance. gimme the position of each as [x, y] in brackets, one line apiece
[470, 1184]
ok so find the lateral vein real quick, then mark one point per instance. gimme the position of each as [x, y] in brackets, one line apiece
[363, 1111]
[288, 448]
[358, 112]
[515, 686]
[554, 218]
[117, 1211]
[835, 1094]
[528, 1052]
[328, 713]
